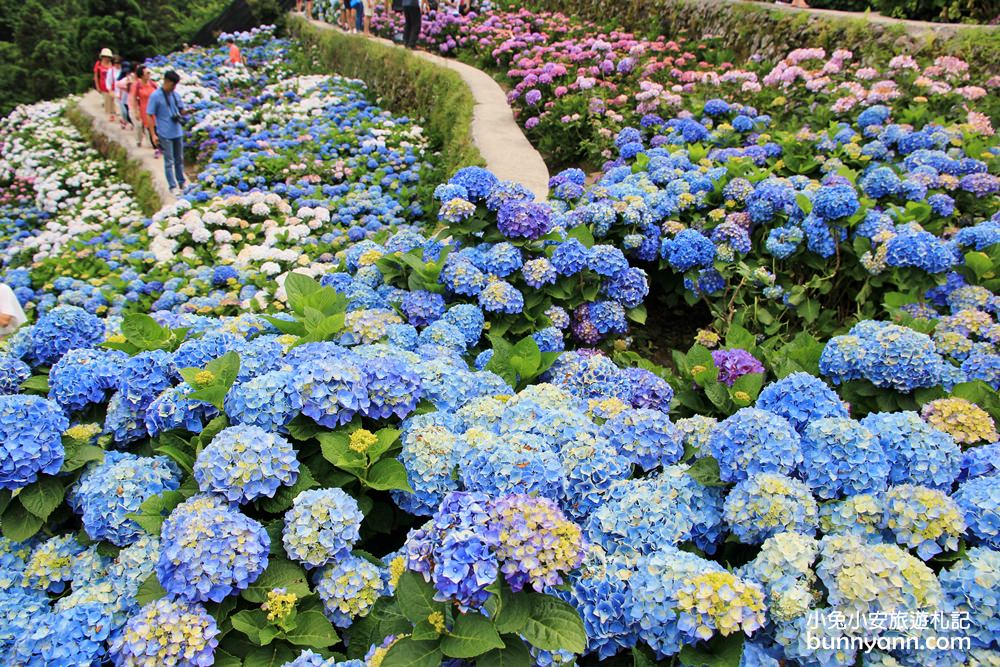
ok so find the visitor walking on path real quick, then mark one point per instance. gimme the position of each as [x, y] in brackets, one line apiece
[144, 88]
[236, 58]
[411, 20]
[308, 7]
[164, 108]
[111, 83]
[11, 314]
[123, 90]
[101, 68]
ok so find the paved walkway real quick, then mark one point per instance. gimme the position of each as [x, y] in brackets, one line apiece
[496, 134]
[92, 105]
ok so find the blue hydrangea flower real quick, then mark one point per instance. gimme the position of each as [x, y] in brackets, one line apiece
[269, 401]
[923, 519]
[50, 566]
[348, 587]
[752, 441]
[108, 491]
[640, 515]
[476, 181]
[766, 504]
[394, 388]
[970, 586]
[783, 241]
[31, 430]
[145, 376]
[168, 633]
[679, 598]
[60, 330]
[73, 636]
[500, 296]
[801, 398]
[843, 458]
[918, 453]
[13, 373]
[645, 437]
[517, 463]
[209, 551]
[979, 499]
[197, 352]
[522, 219]
[422, 307]
[570, 257]
[688, 250]
[173, 410]
[591, 470]
[84, 376]
[333, 391]
[243, 463]
[322, 525]
[469, 319]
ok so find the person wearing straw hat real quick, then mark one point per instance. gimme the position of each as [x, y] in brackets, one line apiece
[101, 69]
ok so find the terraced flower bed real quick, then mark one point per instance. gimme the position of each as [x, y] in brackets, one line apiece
[333, 408]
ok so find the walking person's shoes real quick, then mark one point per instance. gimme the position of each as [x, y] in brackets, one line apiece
[157, 153]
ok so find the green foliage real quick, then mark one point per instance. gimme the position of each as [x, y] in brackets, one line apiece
[501, 637]
[318, 311]
[47, 49]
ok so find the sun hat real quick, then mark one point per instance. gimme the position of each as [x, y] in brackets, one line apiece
[106, 53]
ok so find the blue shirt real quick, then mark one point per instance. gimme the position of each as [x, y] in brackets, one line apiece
[163, 106]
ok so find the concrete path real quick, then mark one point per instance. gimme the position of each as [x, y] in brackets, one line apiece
[92, 106]
[495, 133]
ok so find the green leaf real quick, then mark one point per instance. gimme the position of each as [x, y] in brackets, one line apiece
[514, 654]
[640, 659]
[144, 332]
[388, 474]
[423, 630]
[387, 437]
[38, 383]
[554, 625]
[280, 573]
[416, 597]
[223, 659]
[275, 655]
[42, 497]
[79, 454]
[749, 383]
[514, 610]
[182, 458]
[253, 623]
[150, 590]
[413, 653]
[19, 524]
[737, 336]
[637, 314]
[297, 287]
[717, 393]
[155, 509]
[705, 471]
[303, 428]
[979, 263]
[472, 634]
[719, 652]
[336, 449]
[582, 234]
[313, 629]
[804, 203]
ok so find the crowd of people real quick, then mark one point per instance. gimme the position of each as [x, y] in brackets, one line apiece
[154, 110]
[355, 15]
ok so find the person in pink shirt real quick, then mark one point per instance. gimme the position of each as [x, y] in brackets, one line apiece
[101, 68]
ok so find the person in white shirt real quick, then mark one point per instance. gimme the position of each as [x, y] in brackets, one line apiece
[11, 314]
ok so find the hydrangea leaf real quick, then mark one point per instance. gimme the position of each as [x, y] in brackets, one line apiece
[280, 573]
[313, 629]
[554, 625]
[472, 634]
[413, 653]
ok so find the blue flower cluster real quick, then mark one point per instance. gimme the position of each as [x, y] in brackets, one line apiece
[243, 463]
[209, 551]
